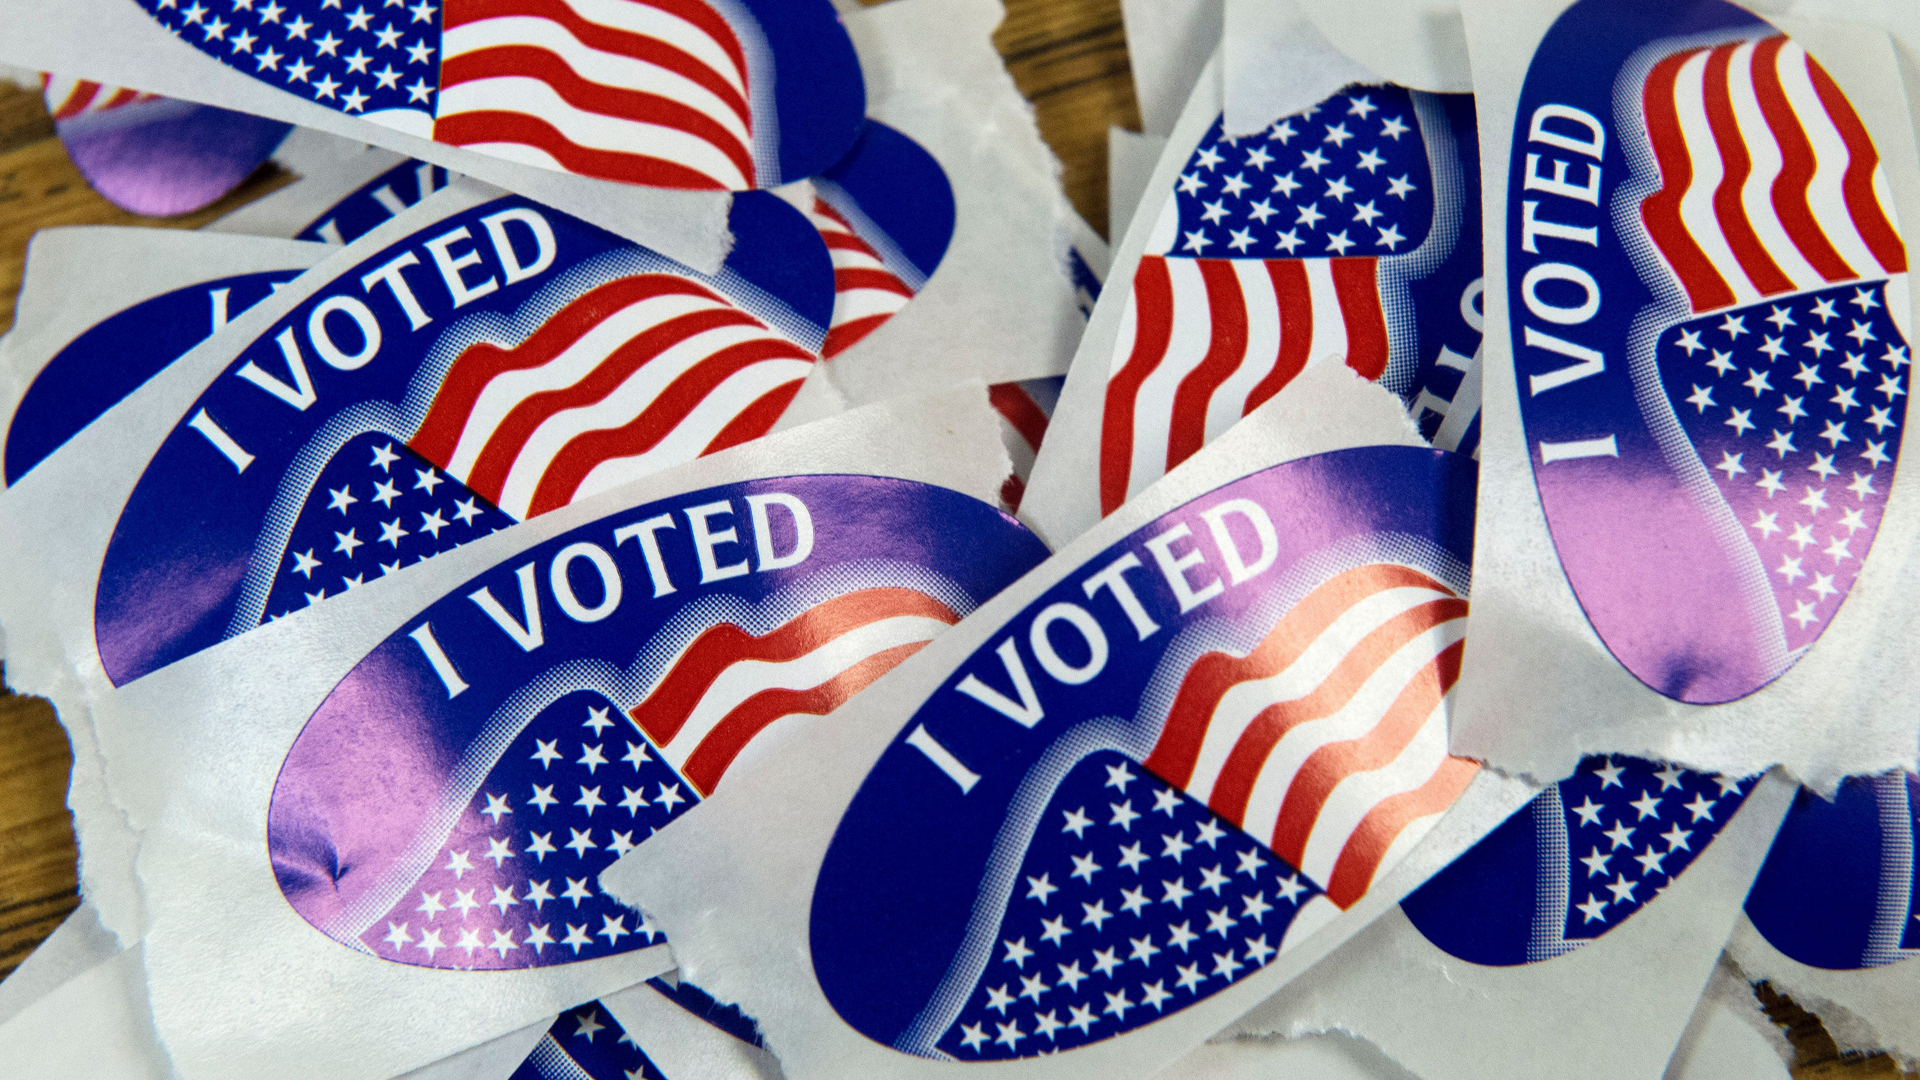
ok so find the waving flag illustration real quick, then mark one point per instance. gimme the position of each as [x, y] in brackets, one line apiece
[155, 155]
[1188, 754]
[587, 1043]
[527, 740]
[1719, 361]
[886, 212]
[1025, 408]
[1840, 888]
[666, 93]
[1348, 231]
[554, 362]
[1576, 862]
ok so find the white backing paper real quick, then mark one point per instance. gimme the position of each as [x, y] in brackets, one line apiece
[1131, 160]
[1275, 62]
[1866, 1009]
[322, 183]
[684, 1046]
[1168, 45]
[1730, 1037]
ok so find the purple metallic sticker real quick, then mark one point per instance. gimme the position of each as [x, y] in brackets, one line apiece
[446, 805]
[1709, 299]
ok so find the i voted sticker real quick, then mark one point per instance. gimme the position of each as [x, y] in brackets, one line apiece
[454, 799]
[375, 202]
[500, 363]
[1709, 297]
[1186, 756]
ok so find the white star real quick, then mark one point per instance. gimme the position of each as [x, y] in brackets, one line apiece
[613, 929]
[463, 902]
[1721, 363]
[1117, 1004]
[1594, 909]
[1782, 443]
[1370, 161]
[1862, 485]
[1822, 586]
[430, 904]
[1789, 568]
[1757, 382]
[576, 938]
[1084, 867]
[1770, 480]
[1077, 822]
[1338, 242]
[668, 796]
[1144, 950]
[1255, 907]
[1802, 536]
[1175, 892]
[1197, 241]
[1855, 365]
[1393, 127]
[1040, 888]
[1338, 189]
[503, 899]
[1649, 861]
[592, 758]
[1258, 157]
[1609, 774]
[1852, 520]
[1190, 976]
[589, 799]
[429, 941]
[1225, 966]
[1261, 211]
[1105, 960]
[431, 524]
[1701, 808]
[1596, 863]
[1648, 804]
[1823, 464]
[543, 798]
[1207, 158]
[537, 937]
[1815, 500]
[1781, 318]
[1398, 187]
[304, 564]
[1182, 936]
[458, 862]
[268, 60]
[1689, 340]
[355, 101]
[1310, 215]
[1212, 880]
[419, 91]
[1768, 524]
[1837, 550]
[498, 851]
[1214, 211]
[1313, 159]
[576, 891]
[1890, 387]
[1790, 406]
[1054, 930]
[466, 511]
[391, 533]
[1701, 398]
[1730, 463]
[1032, 986]
[1209, 834]
[1733, 326]
[538, 894]
[1621, 834]
[1082, 1018]
[1390, 237]
[1250, 862]
[541, 847]
[1773, 348]
[1285, 184]
[1219, 922]
[345, 542]
[299, 70]
[1235, 184]
[1818, 343]
[1283, 131]
[1124, 815]
[1589, 812]
[1017, 953]
[1070, 976]
[358, 18]
[1809, 376]
[581, 843]
[1288, 240]
[422, 11]
[636, 756]
[632, 800]
[1175, 846]
[545, 753]
[1241, 239]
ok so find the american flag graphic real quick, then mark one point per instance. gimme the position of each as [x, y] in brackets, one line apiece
[1267, 256]
[1025, 408]
[656, 92]
[868, 287]
[67, 98]
[1134, 900]
[587, 1043]
[1769, 181]
[644, 371]
[1328, 739]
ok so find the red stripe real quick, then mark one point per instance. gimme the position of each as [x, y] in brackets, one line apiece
[509, 438]
[1248, 758]
[1729, 209]
[1355, 283]
[1360, 859]
[1153, 328]
[480, 364]
[1862, 159]
[1177, 750]
[666, 710]
[1660, 211]
[497, 126]
[1797, 166]
[569, 468]
[1012, 490]
[626, 43]
[1226, 351]
[1326, 767]
[756, 419]
[1025, 414]
[1294, 295]
[122, 96]
[826, 209]
[849, 278]
[846, 241]
[529, 61]
[842, 337]
[77, 100]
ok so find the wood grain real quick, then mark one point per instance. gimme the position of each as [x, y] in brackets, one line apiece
[1069, 57]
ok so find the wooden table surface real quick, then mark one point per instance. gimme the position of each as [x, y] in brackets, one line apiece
[1069, 57]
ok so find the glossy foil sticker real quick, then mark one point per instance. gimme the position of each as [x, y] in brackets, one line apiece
[1349, 231]
[697, 94]
[498, 364]
[1709, 316]
[454, 799]
[1170, 766]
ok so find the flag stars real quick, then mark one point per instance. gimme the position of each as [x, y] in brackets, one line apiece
[464, 903]
[1131, 856]
[1621, 835]
[1822, 586]
[1770, 482]
[1124, 815]
[1781, 318]
[1782, 443]
[1084, 867]
[1596, 862]
[1282, 132]
[1392, 127]
[1688, 340]
[1370, 161]
[1802, 538]
[1890, 387]
[1791, 407]
[1399, 187]
[1733, 326]
[1815, 499]
[1315, 160]
[1789, 568]
[1338, 189]
[1740, 420]
[1174, 846]
[1855, 365]
[1234, 185]
[1773, 348]
[1837, 549]
[1175, 892]
[1259, 157]
[1338, 243]
[1767, 524]
[1040, 888]
[1077, 823]
[1730, 463]
[1862, 485]
[1757, 382]
[1822, 465]
[1818, 343]
[1017, 953]
[1647, 805]
[1721, 363]
[1594, 909]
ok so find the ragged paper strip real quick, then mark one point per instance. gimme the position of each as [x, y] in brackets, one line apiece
[1168, 45]
[898, 917]
[1346, 233]
[1598, 909]
[1702, 560]
[422, 755]
[1730, 1036]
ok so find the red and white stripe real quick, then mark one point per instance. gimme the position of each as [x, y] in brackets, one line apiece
[636, 375]
[865, 292]
[67, 98]
[645, 91]
[1203, 342]
[729, 685]
[1328, 740]
[1023, 421]
[1769, 181]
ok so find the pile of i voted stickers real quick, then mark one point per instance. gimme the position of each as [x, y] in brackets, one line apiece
[1453, 624]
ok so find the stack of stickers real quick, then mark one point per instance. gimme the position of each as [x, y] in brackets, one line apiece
[1452, 625]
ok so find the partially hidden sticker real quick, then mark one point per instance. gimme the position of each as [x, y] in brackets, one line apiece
[1187, 755]
[1579, 860]
[1347, 232]
[500, 363]
[1709, 303]
[455, 798]
[1840, 888]
[373, 203]
[587, 1043]
[698, 94]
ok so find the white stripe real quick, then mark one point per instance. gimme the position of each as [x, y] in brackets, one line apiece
[590, 129]
[1763, 152]
[849, 259]
[1229, 401]
[635, 394]
[1827, 194]
[578, 360]
[1186, 347]
[743, 679]
[1329, 322]
[1358, 793]
[705, 423]
[1124, 339]
[648, 21]
[1361, 714]
[1696, 202]
[1245, 701]
[605, 68]
[860, 303]
[1403, 844]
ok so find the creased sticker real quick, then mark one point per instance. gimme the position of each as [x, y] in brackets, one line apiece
[500, 365]
[1709, 297]
[1025, 409]
[377, 200]
[446, 805]
[702, 94]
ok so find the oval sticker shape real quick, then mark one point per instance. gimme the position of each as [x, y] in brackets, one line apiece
[498, 364]
[454, 799]
[1579, 860]
[1709, 323]
[1841, 889]
[1193, 750]
[724, 95]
